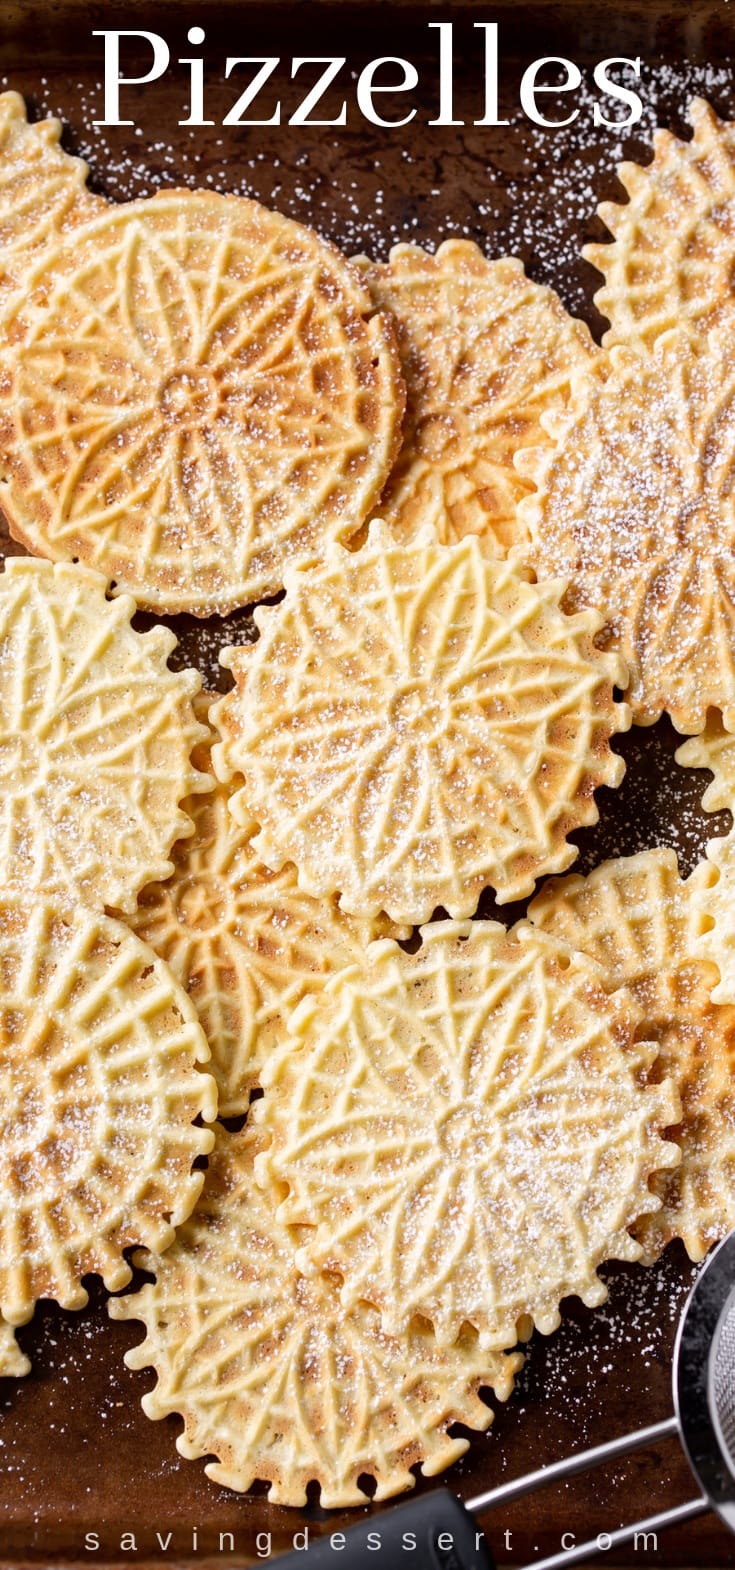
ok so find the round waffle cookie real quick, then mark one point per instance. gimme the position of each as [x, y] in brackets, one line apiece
[194, 394]
[98, 1055]
[13, 1363]
[471, 1128]
[635, 506]
[637, 918]
[416, 722]
[484, 351]
[245, 942]
[95, 737]
[673, 252]
[714, 888]
[43, 193]
[274, 1377]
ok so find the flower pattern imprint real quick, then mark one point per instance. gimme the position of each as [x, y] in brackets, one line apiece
[640, 920]
[95, 738]
[671, 258]
[274, 1377]
[416, 722]
[245, 942]
[100, 1090]
[469, 1127]
[634, 505]
[484, 353]
[192, 398]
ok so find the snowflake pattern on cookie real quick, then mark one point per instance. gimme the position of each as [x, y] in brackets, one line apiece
[101, 1085]
[634, 505]
[279, 1381]
[484, 353]
[639, 920]
[95, 738]
[471, 1128]
[416, 722]
[194, 394]
[671, 260]
[245, 942]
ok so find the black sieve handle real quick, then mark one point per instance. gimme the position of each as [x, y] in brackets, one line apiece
[434, 1532]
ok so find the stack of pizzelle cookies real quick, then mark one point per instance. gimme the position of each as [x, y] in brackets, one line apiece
[103, 1093]
[202, 404]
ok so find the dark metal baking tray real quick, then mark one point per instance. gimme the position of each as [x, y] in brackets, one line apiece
[77, 1456]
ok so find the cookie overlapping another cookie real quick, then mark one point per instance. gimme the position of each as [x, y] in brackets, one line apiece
[100, 1055]
[471, 1129]
[194, 392]
[246, 943]
[638, 918]
[96, 735]
[671, 259]
[278, 1380]
[416, 722]
[484, 353]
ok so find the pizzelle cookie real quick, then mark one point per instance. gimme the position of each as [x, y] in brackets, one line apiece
[43, 193]
[245, 942]
[672, 255]
[634, 505]
[484, 351]
[470, 1126]
[95, 737]
[274, 1377]
[13, 1363]
[416, 722]
[638, 919]
[714, 887]
[100, 1087]
[194, 393]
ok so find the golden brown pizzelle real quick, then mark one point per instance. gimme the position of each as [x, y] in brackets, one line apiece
[638, 918]
[471, 1128]
[279, 1381]
[416, 722]
[484, 352]
[43, 193]
[246, 943]
[633, 505]
[671, 258]
[101, 1084]
[194, 392]
[96, 735]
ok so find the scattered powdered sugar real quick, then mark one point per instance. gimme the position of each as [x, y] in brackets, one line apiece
[539, 204]
[517, 189]
[613, 1349]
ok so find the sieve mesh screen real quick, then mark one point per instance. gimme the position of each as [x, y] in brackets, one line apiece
[722, 1381]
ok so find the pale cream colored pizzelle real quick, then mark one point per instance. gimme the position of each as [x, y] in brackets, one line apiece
[95, 737]
[279, 1381]
[245, 942]
[472, 1128]
[484, 352]
[671, 259]
[43, 193]
[101, 1084]
[715, 886]
[416, 722]
[639, 920]
[13, 1363]
[634, 506]
[195, 392]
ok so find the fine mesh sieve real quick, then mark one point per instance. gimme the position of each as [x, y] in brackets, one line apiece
[446, 1532]
[722, 1381]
